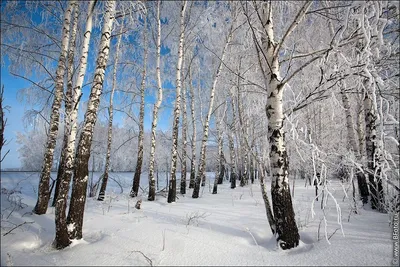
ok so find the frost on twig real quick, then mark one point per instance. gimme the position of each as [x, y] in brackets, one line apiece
[195, 217]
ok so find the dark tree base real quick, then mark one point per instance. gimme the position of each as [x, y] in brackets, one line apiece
[287, 232]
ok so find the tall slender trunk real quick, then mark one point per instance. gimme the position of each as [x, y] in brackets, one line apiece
[221, 159]
[59, 201]
[193, 141]
[184, 142]
[242, 148]
[152, 182]
[43, 191]
[219, 171]
[375, 182]
[110, 121]
[360, 129]
[175, 127]
[252, 169]
[287, 233]
[68, 101]
[62, 236]
[201, 177]
[267, 205]
[3, 123]
[351, 137]
[139, 162]
[81, 172]
[232, 153]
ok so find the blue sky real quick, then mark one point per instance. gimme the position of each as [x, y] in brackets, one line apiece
[13, 115]
[16, 111]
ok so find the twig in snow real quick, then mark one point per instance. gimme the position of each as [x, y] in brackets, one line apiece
[147, 258]
[19, 225]
[333, 233]
[195, 217]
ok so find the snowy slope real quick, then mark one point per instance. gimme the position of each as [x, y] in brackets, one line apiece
[229, 228]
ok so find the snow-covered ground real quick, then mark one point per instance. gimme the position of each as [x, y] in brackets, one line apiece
[229, 228]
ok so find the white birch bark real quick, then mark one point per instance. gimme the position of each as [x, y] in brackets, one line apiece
[184, 142]
[373, 157]
[62, 186]
[138, 170]
[77, 93]
[68, 100]
[232, 152]
[267, 205]
[43, 191]
[152, 181]
[351, 137]
[175, 127]
[110, 120]
[219, 157]
[287, 233]
[81, 172]
[202, 163]
[193, 141]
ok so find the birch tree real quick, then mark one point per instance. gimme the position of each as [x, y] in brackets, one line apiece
[220, 170]
[200, 179]
[3, 123]
[351, 136]
[62, 236]
[139, 162]
[193, 139]
[68, 99]
[175, 127]
[110, 120]
[231, 143]
[43, 191]
[152, 181]
[184, 142]
[60, 196]
[287, 234]
[78, 196]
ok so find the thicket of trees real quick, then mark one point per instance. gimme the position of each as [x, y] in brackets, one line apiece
[255, 90]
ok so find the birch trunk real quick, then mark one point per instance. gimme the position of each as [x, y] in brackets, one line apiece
[78, 197]
[68, 101]
[232, 153]
[221, 159]
[267, 205]
[351, 137]
[375, 182]
[184, 142]
[286, 228]
[139, 162]
[60, 196]
[175, 127]
[3, 123]
[219, 171]
[43, 191]
[242, 148]
[233, 175]
[62, 237]
[110, 121]
[152, 182]
[360, 128]
[287, 233]
[201, 177]
[193, 142]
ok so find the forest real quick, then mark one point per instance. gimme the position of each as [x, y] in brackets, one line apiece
[183, 97]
